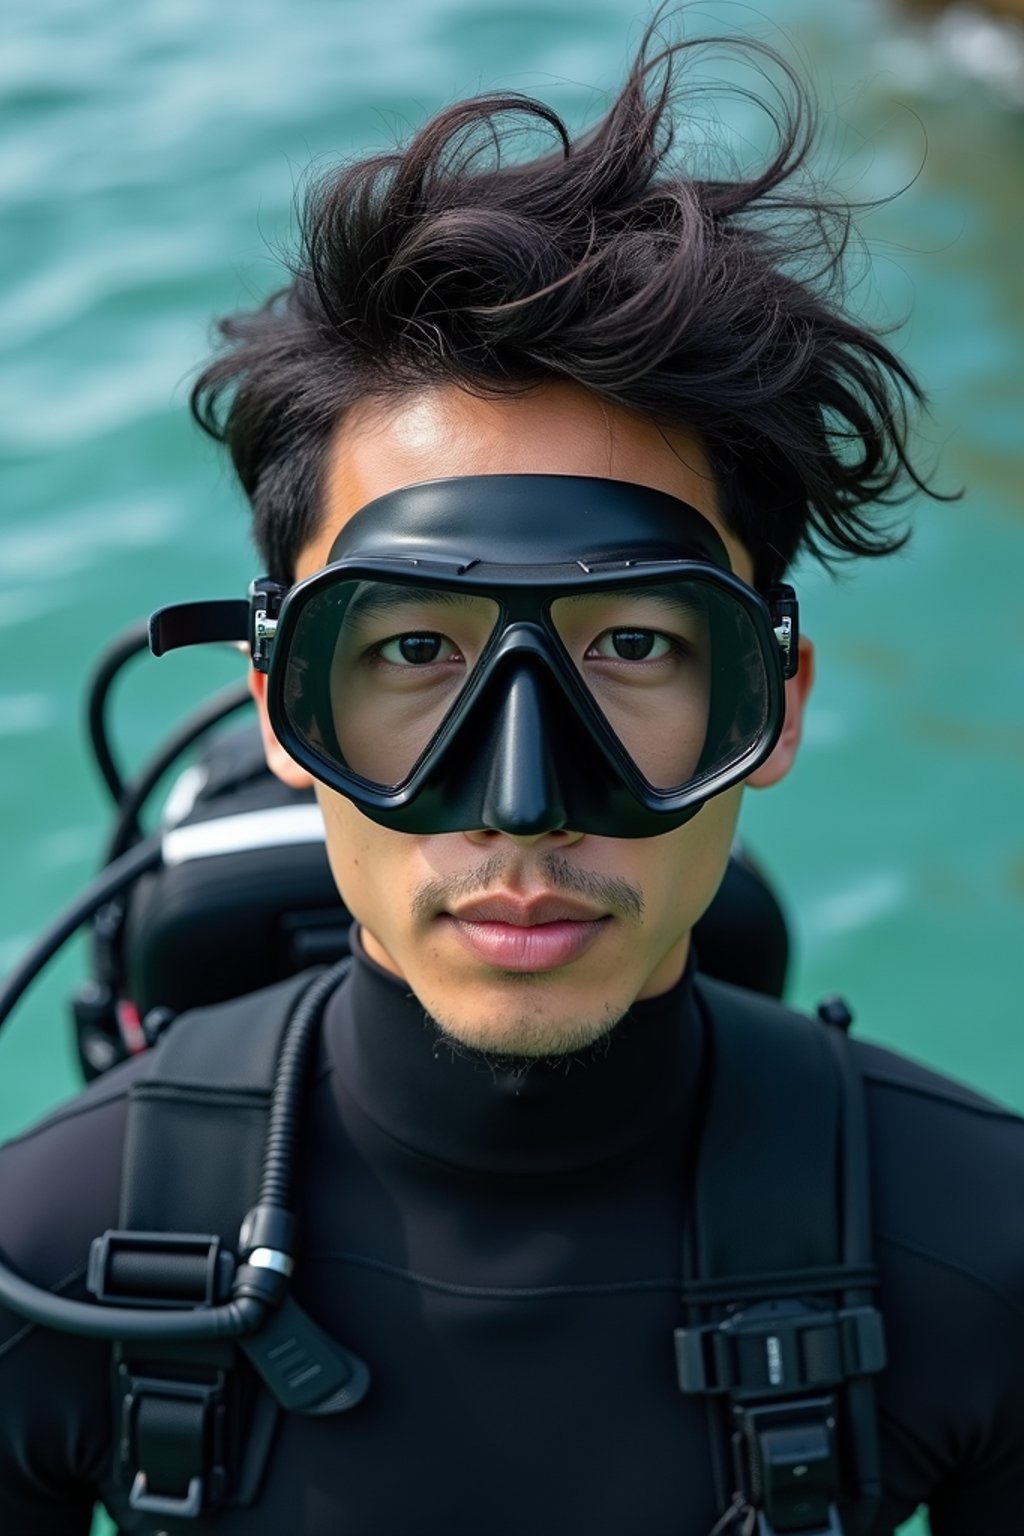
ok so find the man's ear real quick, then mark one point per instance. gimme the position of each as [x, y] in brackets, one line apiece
[784, 752]
[278, 761]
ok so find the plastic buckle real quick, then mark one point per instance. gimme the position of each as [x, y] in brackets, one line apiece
[159, 1269]
[778, 1348]
[168, 1425]
[787, 1466]
[187, 1508]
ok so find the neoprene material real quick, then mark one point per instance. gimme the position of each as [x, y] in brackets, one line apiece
[503, 1250]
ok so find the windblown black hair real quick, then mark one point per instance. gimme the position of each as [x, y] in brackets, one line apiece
[714, 303]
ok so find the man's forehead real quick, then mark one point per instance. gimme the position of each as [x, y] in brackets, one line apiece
[552, 429]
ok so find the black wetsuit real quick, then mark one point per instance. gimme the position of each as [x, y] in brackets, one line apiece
[503, 1251]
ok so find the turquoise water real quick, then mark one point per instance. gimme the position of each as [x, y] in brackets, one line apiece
[150, 158]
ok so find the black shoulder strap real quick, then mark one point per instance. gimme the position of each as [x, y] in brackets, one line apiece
[780, 1332]
[194, 1427]
[202, 1105]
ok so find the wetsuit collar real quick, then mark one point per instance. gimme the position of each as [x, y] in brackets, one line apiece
[389, 1056]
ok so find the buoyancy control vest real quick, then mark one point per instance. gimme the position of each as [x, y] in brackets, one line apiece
[777, 1330]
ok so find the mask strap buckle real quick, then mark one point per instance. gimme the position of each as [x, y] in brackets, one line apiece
[265, 599]
[785, 614]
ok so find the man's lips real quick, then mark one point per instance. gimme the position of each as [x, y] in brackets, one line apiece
[514, 933]
[525, 912]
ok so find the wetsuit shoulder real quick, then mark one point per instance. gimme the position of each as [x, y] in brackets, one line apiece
[947, 1180]
[948, 1170]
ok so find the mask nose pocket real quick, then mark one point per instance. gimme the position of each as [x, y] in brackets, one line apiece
[522, 793]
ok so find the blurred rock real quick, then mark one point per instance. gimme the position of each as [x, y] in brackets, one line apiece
[984, 40]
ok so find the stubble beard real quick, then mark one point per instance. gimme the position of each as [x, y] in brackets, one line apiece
[518, 1041]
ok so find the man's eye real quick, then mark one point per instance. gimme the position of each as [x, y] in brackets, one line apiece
[632, 645]
[417, 649]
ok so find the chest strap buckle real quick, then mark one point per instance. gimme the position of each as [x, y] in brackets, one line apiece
[173, 1439]
[787, 1466]
[780, 1347]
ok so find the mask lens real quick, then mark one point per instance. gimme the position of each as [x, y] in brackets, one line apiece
[374, 669]
[677, 671]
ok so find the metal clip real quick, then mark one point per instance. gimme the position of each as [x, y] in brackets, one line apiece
[785, 612]
[784, 635]
[263, 631]
[265, 598]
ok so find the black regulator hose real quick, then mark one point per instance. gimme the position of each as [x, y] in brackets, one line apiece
[133, 796]
[107, 884]
[279, 1156]
[91, 1321]
[131, 642]
[129, 798]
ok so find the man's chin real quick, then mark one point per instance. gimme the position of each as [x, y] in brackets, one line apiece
[516, 1038]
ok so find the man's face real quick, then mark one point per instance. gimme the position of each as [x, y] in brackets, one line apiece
[525, 945]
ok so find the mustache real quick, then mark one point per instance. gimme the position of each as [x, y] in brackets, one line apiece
[617, 895]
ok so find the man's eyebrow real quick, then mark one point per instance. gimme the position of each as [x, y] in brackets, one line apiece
[371, 598]
[676, 598]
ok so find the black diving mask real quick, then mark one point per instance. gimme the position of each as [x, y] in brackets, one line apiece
[519, 652]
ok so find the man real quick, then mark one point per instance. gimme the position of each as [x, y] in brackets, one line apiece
[531, 448]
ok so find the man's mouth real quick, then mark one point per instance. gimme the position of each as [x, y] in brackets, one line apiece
[515, 933]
